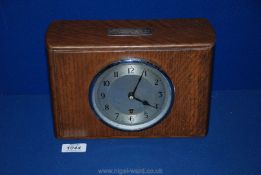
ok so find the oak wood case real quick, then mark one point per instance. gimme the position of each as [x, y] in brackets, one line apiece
[78, 50]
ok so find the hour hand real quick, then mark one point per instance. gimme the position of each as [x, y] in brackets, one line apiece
[144, 102]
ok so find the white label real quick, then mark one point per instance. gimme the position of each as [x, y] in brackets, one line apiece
[74, 148]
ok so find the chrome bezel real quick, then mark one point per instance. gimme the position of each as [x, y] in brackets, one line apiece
[94, 86]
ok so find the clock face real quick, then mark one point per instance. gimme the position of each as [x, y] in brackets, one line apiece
[131, 95]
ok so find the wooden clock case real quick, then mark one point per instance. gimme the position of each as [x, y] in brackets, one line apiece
[78, 50]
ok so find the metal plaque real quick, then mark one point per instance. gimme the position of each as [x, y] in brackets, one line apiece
[129, 31]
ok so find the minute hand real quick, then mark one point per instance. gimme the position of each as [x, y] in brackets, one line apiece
[133, 92]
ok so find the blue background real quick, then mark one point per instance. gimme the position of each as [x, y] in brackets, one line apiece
[23, 24]
[27, 143]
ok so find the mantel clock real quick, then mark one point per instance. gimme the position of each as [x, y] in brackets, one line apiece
[130, 78]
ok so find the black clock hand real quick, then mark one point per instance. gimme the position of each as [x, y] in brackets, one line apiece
[133, 92]
[144, 102]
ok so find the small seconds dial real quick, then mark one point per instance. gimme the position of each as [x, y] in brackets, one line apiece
[131, 95]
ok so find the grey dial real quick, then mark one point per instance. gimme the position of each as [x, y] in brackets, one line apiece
[131, 95]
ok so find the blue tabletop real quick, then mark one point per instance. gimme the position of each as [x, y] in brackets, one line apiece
[232, 146]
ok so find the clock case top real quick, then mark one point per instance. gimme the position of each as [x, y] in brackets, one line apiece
[93, 35]
[78, 50]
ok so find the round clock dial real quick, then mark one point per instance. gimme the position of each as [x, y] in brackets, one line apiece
[131, 95]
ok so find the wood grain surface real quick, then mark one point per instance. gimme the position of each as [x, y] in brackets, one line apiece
[78, 50]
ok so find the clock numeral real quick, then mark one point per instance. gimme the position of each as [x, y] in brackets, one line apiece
[156, 82]
[160, 94]
[115, 74]
[157, 106]
[106, 107]
[145, 73]
[106, 83]
[116, 116]
[146, 114]
[103, 95]
[131, 119]
[131, 70]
